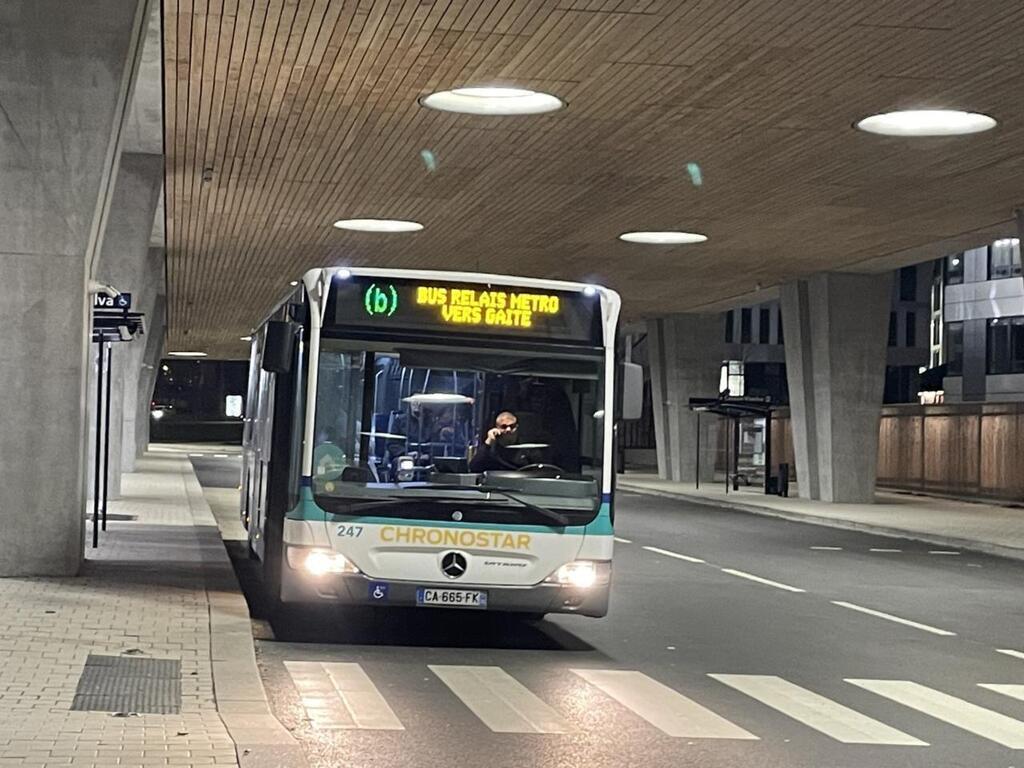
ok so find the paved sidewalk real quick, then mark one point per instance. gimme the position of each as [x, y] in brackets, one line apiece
[159, 586]
[977, 526]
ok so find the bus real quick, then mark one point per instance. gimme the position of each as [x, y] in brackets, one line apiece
[375, 473]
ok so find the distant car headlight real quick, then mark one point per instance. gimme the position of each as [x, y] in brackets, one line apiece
[581, 573]
[319, 562]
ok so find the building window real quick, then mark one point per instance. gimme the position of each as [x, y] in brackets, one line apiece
[908, 284]
[910, 329]
[955, 269]
[954, 348]
[731, 379]
[764, 320]
[893, 340]
[782, 339]
[746, 316]
[728, 326]
[1004, 258]
[1006, 345]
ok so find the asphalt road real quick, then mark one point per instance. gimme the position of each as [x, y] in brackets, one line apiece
[739, 653]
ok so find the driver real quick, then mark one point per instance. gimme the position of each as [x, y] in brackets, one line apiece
[497, 451]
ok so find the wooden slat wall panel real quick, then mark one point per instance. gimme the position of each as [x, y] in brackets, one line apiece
[306, 111]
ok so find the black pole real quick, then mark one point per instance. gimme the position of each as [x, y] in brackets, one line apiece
[697, 478]
[106, 434]
[767, 451]
[736, 453]
[97, 458]
[728, 443]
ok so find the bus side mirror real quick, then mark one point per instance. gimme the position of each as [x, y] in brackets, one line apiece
[278, 346]
[632, 377]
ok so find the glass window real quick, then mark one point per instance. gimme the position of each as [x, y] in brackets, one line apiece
[893, 341]
[955, 269]
[910, 328]
[746, 319]
[763, 323]
[1006, 345]
[1004, 258]
[908, 284]
[782, 339]
[955, 348]
[411, 432]
[729, 319]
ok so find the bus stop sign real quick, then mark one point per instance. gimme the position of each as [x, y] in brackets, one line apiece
[121, 301]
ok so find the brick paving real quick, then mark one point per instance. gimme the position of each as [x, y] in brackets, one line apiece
[144, 592]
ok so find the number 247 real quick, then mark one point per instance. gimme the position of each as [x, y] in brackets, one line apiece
[353, 531]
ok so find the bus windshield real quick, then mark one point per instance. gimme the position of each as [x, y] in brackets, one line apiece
[412, 431]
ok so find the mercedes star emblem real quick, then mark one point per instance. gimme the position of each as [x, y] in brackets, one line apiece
[456, 515]
[453, 564]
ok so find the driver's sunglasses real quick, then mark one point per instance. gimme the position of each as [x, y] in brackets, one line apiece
[507, 427]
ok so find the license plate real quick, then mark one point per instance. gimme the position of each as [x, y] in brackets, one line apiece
[452, 598]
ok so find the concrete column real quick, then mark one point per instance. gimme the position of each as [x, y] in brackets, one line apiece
[835, 327]
[686, 353]
[138, 399]
[127, 263]
[64, 85]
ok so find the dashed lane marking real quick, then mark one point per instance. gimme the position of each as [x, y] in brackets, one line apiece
[623, 541]
[676, 555]
[759, 580]
[828, 549]
[896, 619]
[1011, 652]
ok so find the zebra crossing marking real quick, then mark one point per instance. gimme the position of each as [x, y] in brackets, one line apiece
[667, 710]
[818, 712]
[990, 725]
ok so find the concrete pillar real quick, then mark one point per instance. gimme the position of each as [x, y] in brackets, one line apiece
[127, 263]
[138, 398]
[686, 353]
[835, 328]
[64, 85]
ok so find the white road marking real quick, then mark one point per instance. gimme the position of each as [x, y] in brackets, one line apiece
[759, 580]
[197, 455]
[883, 549]
[1010, 652]
[942, 552]
[822, 714]
[340, 696]
[665, 709]
[500, 701]
[828, 549]
[622, 540]
[676, 555]
[957, 712]
[1015, 691]
[220, 455]
[897, 619]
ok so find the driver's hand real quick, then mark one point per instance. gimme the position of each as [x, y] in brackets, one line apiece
[492, 435]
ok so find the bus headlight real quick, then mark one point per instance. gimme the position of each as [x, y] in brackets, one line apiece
[319, 562]
[581, 574]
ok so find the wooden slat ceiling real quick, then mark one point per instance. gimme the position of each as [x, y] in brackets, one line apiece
[306, 111]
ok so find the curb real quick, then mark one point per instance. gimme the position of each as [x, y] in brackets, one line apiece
[971, 545]
[260, 739]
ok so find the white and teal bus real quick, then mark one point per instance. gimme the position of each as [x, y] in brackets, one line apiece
[372, 394]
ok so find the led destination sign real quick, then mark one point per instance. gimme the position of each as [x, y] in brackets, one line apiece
[467, 306]
[377, 303]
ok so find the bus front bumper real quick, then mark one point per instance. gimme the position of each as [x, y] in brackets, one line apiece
[358, 589]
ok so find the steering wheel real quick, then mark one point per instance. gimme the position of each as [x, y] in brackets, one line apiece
[557, 470]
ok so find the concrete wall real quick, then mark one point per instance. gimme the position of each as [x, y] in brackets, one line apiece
[65, 72]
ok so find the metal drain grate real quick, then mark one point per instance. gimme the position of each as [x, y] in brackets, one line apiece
[129, 684]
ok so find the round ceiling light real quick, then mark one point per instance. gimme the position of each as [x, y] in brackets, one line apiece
[493, 101]
[926, 122]
[187, 354]
[663, 238]
[379, 225]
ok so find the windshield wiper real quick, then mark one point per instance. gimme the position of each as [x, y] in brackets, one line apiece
[391, 501]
